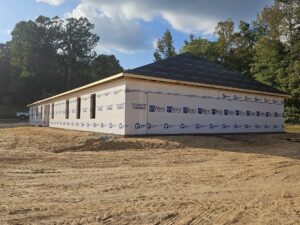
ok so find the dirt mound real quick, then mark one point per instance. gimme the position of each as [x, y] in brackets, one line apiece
[121, 143]
[231, 142]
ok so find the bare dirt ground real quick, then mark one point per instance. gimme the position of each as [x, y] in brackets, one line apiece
[53, 176]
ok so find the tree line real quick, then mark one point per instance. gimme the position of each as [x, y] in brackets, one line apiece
[266, 49]
[48, 56]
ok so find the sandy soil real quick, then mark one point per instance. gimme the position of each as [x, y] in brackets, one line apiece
[52, 176]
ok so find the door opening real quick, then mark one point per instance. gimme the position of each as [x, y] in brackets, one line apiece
[46, 114]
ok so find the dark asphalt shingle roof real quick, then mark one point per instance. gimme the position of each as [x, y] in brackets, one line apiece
[187, 67]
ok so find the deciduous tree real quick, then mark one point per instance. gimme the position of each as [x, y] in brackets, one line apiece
[164, 47]
[103, 66]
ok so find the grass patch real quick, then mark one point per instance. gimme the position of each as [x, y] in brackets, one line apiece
[292, 128]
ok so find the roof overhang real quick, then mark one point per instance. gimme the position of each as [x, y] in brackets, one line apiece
[105, 80]
[196, 84]
[149, 78]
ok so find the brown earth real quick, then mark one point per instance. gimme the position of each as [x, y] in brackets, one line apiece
[53, 176]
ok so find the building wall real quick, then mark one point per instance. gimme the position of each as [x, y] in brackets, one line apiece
[159, 108]
[110, 110]
[135, 107]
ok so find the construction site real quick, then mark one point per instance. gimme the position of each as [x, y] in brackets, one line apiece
[57, 176]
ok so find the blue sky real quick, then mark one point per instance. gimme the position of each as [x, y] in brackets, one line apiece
[129, 28]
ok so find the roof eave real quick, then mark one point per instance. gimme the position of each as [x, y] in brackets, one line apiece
[142, 77]
[105, 80]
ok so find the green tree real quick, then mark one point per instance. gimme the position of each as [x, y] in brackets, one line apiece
[5, 74]
[13, 88]
[32, 51]
[54, 53]
[279, 24]
[76, 49]
[242, 51]
[103, 66]
[202, 48]
[232, 49]
[235, 49]
[268, 22]
[292, 80]
[225, 32]
[267, 65]
[5, 68]
[164, 47]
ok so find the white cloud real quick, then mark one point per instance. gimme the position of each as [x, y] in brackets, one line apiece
[154, 43]
[6, 32]
[123, 24]
[52, 2]
[116, 32]
[190, 23]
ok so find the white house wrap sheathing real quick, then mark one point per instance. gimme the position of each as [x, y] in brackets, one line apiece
[160, 108]
[135, 106]
[110, 110]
